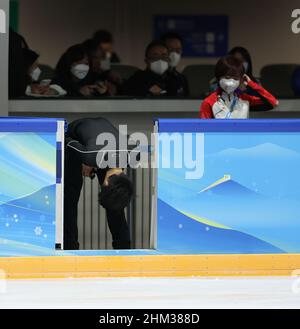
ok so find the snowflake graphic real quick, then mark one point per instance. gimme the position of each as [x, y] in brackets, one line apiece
[38, 230]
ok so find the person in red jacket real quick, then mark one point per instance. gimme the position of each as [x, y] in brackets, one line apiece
[228, 101]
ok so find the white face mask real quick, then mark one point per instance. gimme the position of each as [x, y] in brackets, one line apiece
[35, 74]
[105, 64]
[159, 67]
[80, 71]
[229, 85]
[174, 58]
[246, 66]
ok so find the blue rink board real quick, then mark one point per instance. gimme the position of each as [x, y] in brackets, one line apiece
[261, 157]
[246, 197]
[29, 173]
[23, 124]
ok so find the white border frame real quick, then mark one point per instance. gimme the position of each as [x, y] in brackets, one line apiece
[154, 162]
[59, 209]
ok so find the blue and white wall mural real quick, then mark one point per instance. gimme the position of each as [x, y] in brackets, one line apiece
[28, 178]
[247, 199]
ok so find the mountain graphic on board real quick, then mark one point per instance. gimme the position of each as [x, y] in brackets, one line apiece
[227, 187]
[178, 232]
[28, 224]
[42, 201]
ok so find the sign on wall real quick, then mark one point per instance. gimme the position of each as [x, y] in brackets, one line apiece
[203, 36]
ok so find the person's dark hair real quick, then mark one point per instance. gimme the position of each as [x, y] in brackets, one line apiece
[90, 45]
[117, 195]
[229, 66]
[103, 36]
[246, 55]
[29, 57]
[152, 44]
[73, 54]
[170, 36]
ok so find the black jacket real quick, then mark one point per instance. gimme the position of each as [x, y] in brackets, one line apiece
[82, 136]
[70, 86]
[17, 70]
[138, 85]
[93, 78]
[177, 83]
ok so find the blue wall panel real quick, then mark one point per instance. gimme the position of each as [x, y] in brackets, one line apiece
[28, 177]
[245, 200]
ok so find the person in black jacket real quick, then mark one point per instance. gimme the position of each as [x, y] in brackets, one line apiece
[155, 79]
[86, 155]
[71, 73]
[33, 72]
[106, 42]
[17, 67]
[108, 81]
[178, 82]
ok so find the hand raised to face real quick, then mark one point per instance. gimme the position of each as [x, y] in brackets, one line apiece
[246, 80]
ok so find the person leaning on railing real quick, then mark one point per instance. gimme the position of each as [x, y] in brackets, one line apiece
[85, 157]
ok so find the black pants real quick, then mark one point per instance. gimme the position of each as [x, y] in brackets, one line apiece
[72, 188]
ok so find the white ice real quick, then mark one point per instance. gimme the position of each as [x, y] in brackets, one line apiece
[149, 293]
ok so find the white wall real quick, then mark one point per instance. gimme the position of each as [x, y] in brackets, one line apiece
[263, 26]
[4, 7]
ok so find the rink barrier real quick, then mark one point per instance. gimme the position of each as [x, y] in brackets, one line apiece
[174, 251]
[149, 266]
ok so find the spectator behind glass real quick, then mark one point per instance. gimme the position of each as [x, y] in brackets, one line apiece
[71, 73]
[296, 82]
[109, 81]
[244, 56]
[154, 80]
[33, 72]
[178, 81]
[17, 70]
[229, 102]
[106, 43]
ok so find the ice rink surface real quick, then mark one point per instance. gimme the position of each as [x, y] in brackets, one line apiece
[149, 293]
